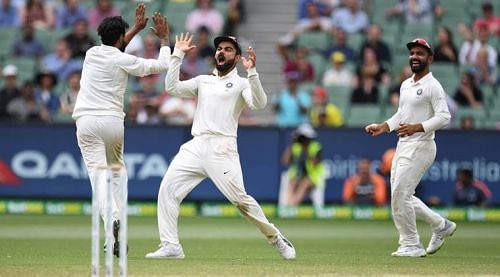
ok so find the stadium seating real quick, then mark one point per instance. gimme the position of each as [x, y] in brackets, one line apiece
[479, 114]
[340, 96]
[361, 115]
[317, 41]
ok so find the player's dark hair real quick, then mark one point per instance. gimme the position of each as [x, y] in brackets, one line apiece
[467, 172]
[111, 28]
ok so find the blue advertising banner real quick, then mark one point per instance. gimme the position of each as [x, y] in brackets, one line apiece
[45, 162]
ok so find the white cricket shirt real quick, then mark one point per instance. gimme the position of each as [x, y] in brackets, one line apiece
[105, 76]
[423, 102]
[220, 99]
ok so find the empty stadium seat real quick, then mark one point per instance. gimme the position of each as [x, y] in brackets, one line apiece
[318, 41]
[361, 115]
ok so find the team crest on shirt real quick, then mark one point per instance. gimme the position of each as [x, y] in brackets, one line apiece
[229, 85]
[419, 91]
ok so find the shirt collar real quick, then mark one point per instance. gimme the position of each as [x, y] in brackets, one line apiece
[229, 75]
[422, 80]
[107, 47]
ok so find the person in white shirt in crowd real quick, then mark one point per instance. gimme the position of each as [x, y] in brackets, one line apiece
[213, 151]
[416, 11]
[312, 23]
[351, 18]
[470, 48]
[422, 110]
[338, 74]
[99, 105]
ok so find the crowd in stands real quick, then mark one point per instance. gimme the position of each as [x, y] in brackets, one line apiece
[44, 44]
[343, 60]
[355, 50]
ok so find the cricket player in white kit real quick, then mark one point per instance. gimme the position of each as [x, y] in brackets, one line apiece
[422, 110]
[213, 151]
[99, 105]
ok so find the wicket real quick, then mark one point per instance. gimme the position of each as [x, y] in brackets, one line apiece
[107, 211]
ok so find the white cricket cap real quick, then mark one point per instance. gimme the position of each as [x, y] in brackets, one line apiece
[306, 130]
[9, 70]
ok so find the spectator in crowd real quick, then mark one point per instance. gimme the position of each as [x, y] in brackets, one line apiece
[489, 19]
[469, 49]
[9, 91]
[151, 45]
[79, 40]
[194, 64]
[366, 92]
[374, 40]
[324, 113]
[26, 108]
[350, 18]
[235, 15]
[470, 191]
[103, 9]
[485, 73]
[467, 123]
[206, 49]
[177, 110]
[292, 104]
[416, 11]
[60, 62]
[445, 50]
[306, 169]
[370, 67]
[365, 187]
[384, 169]
[325, 7]
[69, 13]
[37, 13]
[68, 97]
[394, 89]
[340, 45]
[45, 91]
[205, 15]
[337, 74]
[9, 14]
[300, 64]
[28, 45]
[145, 101]
[468, 94]
[314, 22]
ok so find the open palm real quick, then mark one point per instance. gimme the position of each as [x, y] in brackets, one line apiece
[251, 60]
[183, 42]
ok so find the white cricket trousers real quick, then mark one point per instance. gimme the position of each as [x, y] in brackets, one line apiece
[410, 162]
[204, 156]
[100, 139]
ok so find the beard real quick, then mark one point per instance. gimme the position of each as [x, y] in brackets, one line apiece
[418, 68]
[227, 65]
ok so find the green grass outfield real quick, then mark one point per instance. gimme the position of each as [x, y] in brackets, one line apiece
[60, 246]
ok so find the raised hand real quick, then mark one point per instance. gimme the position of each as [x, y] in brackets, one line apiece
[160, 28]
[183, 42]
[141, 20]
[251, 60]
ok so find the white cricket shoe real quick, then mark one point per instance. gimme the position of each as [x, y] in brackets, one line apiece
[410, 251]
[284, 247]
[438, 237]
[167, 251]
